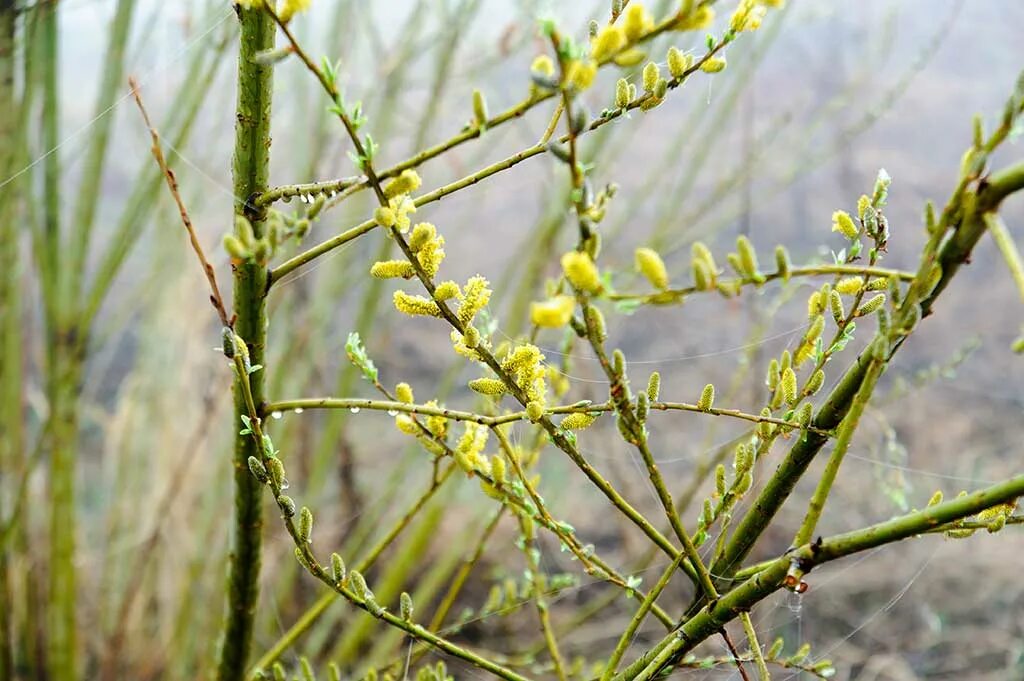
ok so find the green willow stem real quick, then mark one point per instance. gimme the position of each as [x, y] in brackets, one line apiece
[310, 616]
[638, 618]
[845, 435]
[711, 618]
[250, 170]
[1008, 248]
[531, 553]
[755, 647]
[511, 417]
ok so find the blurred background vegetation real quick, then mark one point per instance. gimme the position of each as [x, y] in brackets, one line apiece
[100, 291]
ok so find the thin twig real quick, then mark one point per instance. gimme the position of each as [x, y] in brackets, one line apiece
[172, 185]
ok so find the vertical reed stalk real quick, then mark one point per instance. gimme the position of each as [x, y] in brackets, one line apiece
[250, 168]
[63, 374]
[12, 441]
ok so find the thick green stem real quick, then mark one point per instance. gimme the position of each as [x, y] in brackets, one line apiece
[250, 169]
[63, 373]
[782, 482]
[842, 444]
[714, 616]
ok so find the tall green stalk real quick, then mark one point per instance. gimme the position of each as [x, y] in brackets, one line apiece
[250, 168]
[12, 441]
[63, 374]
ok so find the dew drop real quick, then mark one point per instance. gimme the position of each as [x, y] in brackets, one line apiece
[276, 414]
[299, 410]
[392, 412]
[354, 410]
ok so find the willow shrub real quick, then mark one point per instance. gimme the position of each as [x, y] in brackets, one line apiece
[521, 394]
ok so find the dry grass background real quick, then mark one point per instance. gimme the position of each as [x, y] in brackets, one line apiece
[799, 142]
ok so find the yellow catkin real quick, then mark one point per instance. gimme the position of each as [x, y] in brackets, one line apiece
[421, 234]
[580, 74]
[579, 421]
[862, 205]
[526, 364]
[553, 313]
[469, 448]
[488, 386]
[850, 286]
[789, 385]
[707, 398]
[415, 305]
[875, 303]
[543, 65]
[697, 20]
[289, 8]
[437, 425]
[392, 269]
[607, 42]
[650, 264]
[431, 255]
[401, 206]
[651, 74]
[403, 392]
[475, 296]
[700, 251]
[405, 424]
[622, 93]
[406, 183]
[815, 305]
[748, 16]
[447, 290]
[713, 65]
[581, 272]
[637, 21]
[384, 216]
[843, 223]
[678, 62]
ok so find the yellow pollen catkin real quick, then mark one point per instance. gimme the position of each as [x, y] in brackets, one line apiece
[553, 313]
[698, 20]
[579, 421]
[637, 21]
[475, 296]
[580, 74]
[403, 392]
[488, 386]
[850, 286]
[843, 223]
[607, 42]
[650, 76]
[581, 272]
[289, 8]
[543, 65]
[446, 290]
[678, 62]
[406, 183]
[415, 305]
[650, 264]
[714, 65]
[384, 216]
[392, 269]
